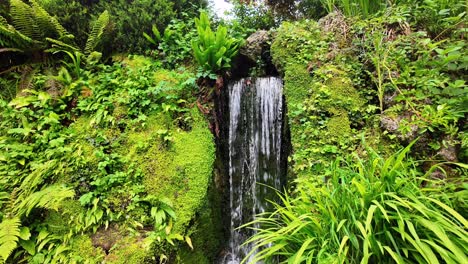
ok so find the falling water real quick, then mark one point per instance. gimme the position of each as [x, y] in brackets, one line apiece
[255, 126]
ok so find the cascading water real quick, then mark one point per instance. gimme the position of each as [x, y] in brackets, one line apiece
[255, 134]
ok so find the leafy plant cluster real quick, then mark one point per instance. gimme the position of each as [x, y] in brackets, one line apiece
[173, 46]
[367, 210]
[213, 51]
[424, 75]
[417, 84]
[389, 79]
[46, 166]
[129, 19]
[35, 32]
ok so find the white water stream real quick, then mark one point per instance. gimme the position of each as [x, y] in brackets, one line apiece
[255, 126]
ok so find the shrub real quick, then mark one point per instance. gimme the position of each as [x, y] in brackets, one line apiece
[371, 210]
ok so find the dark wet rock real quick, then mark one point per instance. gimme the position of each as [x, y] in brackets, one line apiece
[255, 45]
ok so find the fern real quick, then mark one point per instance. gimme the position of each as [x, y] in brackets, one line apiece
[48, 25]
[9, 236]
[23, 19]
[96, 32]
[3, 21]
[48, 198]
[27, 77]
[12, 38]
[58, 45]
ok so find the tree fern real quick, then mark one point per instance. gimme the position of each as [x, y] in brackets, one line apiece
[9, 236]
[58, 45]
[48, 198]
[96, 32]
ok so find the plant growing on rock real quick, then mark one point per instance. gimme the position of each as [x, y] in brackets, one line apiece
[213, 50]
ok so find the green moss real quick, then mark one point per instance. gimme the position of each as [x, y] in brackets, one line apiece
[83, 251]
[321, 98]
[134, 61]
[180, 169]
[206, 232]
[167, 76]
[337, 84]
[128, 251]
[297, 43]
[338, 127]
[297, 84]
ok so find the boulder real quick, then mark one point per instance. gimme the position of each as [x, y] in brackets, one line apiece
[255, 45]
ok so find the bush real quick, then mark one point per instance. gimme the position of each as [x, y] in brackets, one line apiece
[371, 210]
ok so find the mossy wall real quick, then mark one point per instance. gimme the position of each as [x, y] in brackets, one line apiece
[179, 169]
[320, 95]
[168, 154]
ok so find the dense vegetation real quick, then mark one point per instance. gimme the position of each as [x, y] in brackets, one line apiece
[107, 130]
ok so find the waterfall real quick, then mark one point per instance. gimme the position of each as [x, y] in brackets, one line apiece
[255, 130]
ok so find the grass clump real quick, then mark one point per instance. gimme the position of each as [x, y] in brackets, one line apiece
[368, 210]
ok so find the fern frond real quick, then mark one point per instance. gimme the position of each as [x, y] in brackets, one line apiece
[58, 45]
[3, 21]
[97, 31]
[23, 19]
[48, 25]
[49, 198]
[9, 236]
[12, 38]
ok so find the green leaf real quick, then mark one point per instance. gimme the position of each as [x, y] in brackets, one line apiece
[24, 233]
[9, 236]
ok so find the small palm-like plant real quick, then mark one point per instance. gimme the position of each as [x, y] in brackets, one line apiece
[369, 211]
[213, 50]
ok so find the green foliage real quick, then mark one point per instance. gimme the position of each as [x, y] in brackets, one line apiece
[97, 30]
[213, 50]
[367, 210]
[173, 46]
[86, 135]
[36, 33]
[355, 7]
[253, 16]
[32, 25]
[130, 19]
[298, 43]
[9, 236]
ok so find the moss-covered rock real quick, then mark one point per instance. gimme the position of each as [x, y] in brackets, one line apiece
[296, 43]
[206, 232]
[129, 250]
[321, 98]
[178, 167]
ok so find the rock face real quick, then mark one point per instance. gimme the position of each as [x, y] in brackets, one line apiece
[255, 45]
[393, 125]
